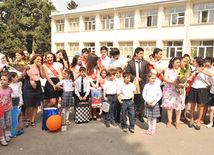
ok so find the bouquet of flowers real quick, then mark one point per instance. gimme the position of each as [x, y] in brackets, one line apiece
[183, 75]
[18, 66]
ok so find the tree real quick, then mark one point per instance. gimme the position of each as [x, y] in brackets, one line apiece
[72, 5]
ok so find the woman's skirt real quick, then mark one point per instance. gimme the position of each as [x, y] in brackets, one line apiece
[199, 96]
[49, 90]
[211, 99]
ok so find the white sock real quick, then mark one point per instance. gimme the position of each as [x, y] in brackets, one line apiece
[7, 133]
[154, 120]
[149, 122]
[67, 113]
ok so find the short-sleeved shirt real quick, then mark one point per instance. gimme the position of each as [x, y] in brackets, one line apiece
[5, 98]
[161, 65]
[66, 84]
[199, 81]
[110, 87]
[211, 80]
[117, 62]
[126, 91]
[105, 62]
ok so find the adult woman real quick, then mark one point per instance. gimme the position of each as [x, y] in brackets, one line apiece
[171, 99]
[32, 92]
[2, 62]
[53, 74]
[93, 73]
[61, 56]
[19, 54]
[26, 58]
[198, 93]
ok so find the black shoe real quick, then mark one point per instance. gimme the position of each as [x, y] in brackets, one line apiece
[190, 125]
[159, 119]
[107, 124]
[197, 127]
[141, 118]
[90, 119]
[118, 121]
[95, 118]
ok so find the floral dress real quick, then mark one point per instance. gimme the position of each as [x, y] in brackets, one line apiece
[171, 99]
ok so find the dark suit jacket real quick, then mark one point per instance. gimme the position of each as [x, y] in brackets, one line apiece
[144, 70]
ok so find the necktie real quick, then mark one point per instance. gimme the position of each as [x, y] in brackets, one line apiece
[82, 86]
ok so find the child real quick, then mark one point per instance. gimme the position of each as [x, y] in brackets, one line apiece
[103, 75]
[119, 80]
[210, 82]
[152, 94]
[17, 90]
[82, 87]
[6, 101]
[67, 97]
[110, 95]
[125, 96]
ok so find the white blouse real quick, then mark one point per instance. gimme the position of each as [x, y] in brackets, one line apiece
[56, 66]
[17, 91]
[199, 81]
[152, 92]
[66, 84]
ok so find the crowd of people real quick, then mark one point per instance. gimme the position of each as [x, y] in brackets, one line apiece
[140, 87]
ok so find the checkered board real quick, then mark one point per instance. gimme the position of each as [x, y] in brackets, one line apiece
[82, 113]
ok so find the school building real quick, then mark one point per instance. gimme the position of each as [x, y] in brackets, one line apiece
[176, 26]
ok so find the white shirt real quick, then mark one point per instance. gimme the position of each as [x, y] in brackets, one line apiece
[110, 87]
[199, 81]
[119, 80]
[86, 86]
[17, 91]
[159, 64]
[66, 84]
[211, 80]
[105, 61]
[117, 62]
[137, 67]
[56, 66]
[126, 91]
[152, 92]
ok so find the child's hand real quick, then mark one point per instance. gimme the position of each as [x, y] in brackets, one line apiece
[121, 102]
[19, 105]
[105, 98]
[54, 87]
[84, 98]
[80, 98]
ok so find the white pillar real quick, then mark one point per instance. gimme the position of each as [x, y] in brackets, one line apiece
[159, 43]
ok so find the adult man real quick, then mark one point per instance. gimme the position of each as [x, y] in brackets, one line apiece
[117, 60]
[159, 67]
[138, 67]
[104, 60]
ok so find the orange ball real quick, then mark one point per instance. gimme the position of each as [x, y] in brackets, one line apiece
[54, 122]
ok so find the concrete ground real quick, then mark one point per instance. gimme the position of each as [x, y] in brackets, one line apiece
[94, 139]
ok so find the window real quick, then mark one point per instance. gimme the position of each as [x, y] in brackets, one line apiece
[173, 48]
[148, 48]
[109, 45]
[90, 47]
[174, 16]
[126, 48]
[107, 22]
[202, 48]
[203, 13]
[60, 46]
[59, 25]
[148, 18]
[73, 48]
[90, 23]
[126, 20]
[74, 24]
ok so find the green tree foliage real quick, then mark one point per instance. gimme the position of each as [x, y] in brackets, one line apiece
[28, 22]
[72, 5]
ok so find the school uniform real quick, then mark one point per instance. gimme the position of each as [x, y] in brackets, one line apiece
[211, 93]
[17, 94]
[126, 94]
[82, 88]
[117, 108]
[110, 88]
[117, 62]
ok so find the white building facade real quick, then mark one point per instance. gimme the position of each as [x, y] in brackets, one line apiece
[176, 26]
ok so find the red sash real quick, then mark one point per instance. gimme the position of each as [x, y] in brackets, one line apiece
[83, 59]
[73, 69]
[193, 78]
[52, 69]
[159, 76]
[101, 65]
[93, 75]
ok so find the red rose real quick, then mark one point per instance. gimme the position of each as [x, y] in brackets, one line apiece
[186, 65]
[9, 63]
[18, 64]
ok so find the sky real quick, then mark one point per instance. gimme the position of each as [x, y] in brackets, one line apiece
[61, 5]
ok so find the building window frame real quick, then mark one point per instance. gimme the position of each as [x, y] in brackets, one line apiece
[128, 47]
[90, 23]
[60, 25]
[73, 25]
[148, 18]
[205, 11]
[201, 47]
[60, 46]
[108, 22]
[170, 46]
[148, 47]
[73, 49]
[124, 19]
[90, 46]
[174, 13]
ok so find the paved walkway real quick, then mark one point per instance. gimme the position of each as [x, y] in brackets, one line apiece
[94, 139]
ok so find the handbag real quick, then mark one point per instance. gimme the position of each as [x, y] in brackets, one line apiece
[105, 107]
[82, 112]
[137, 87]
